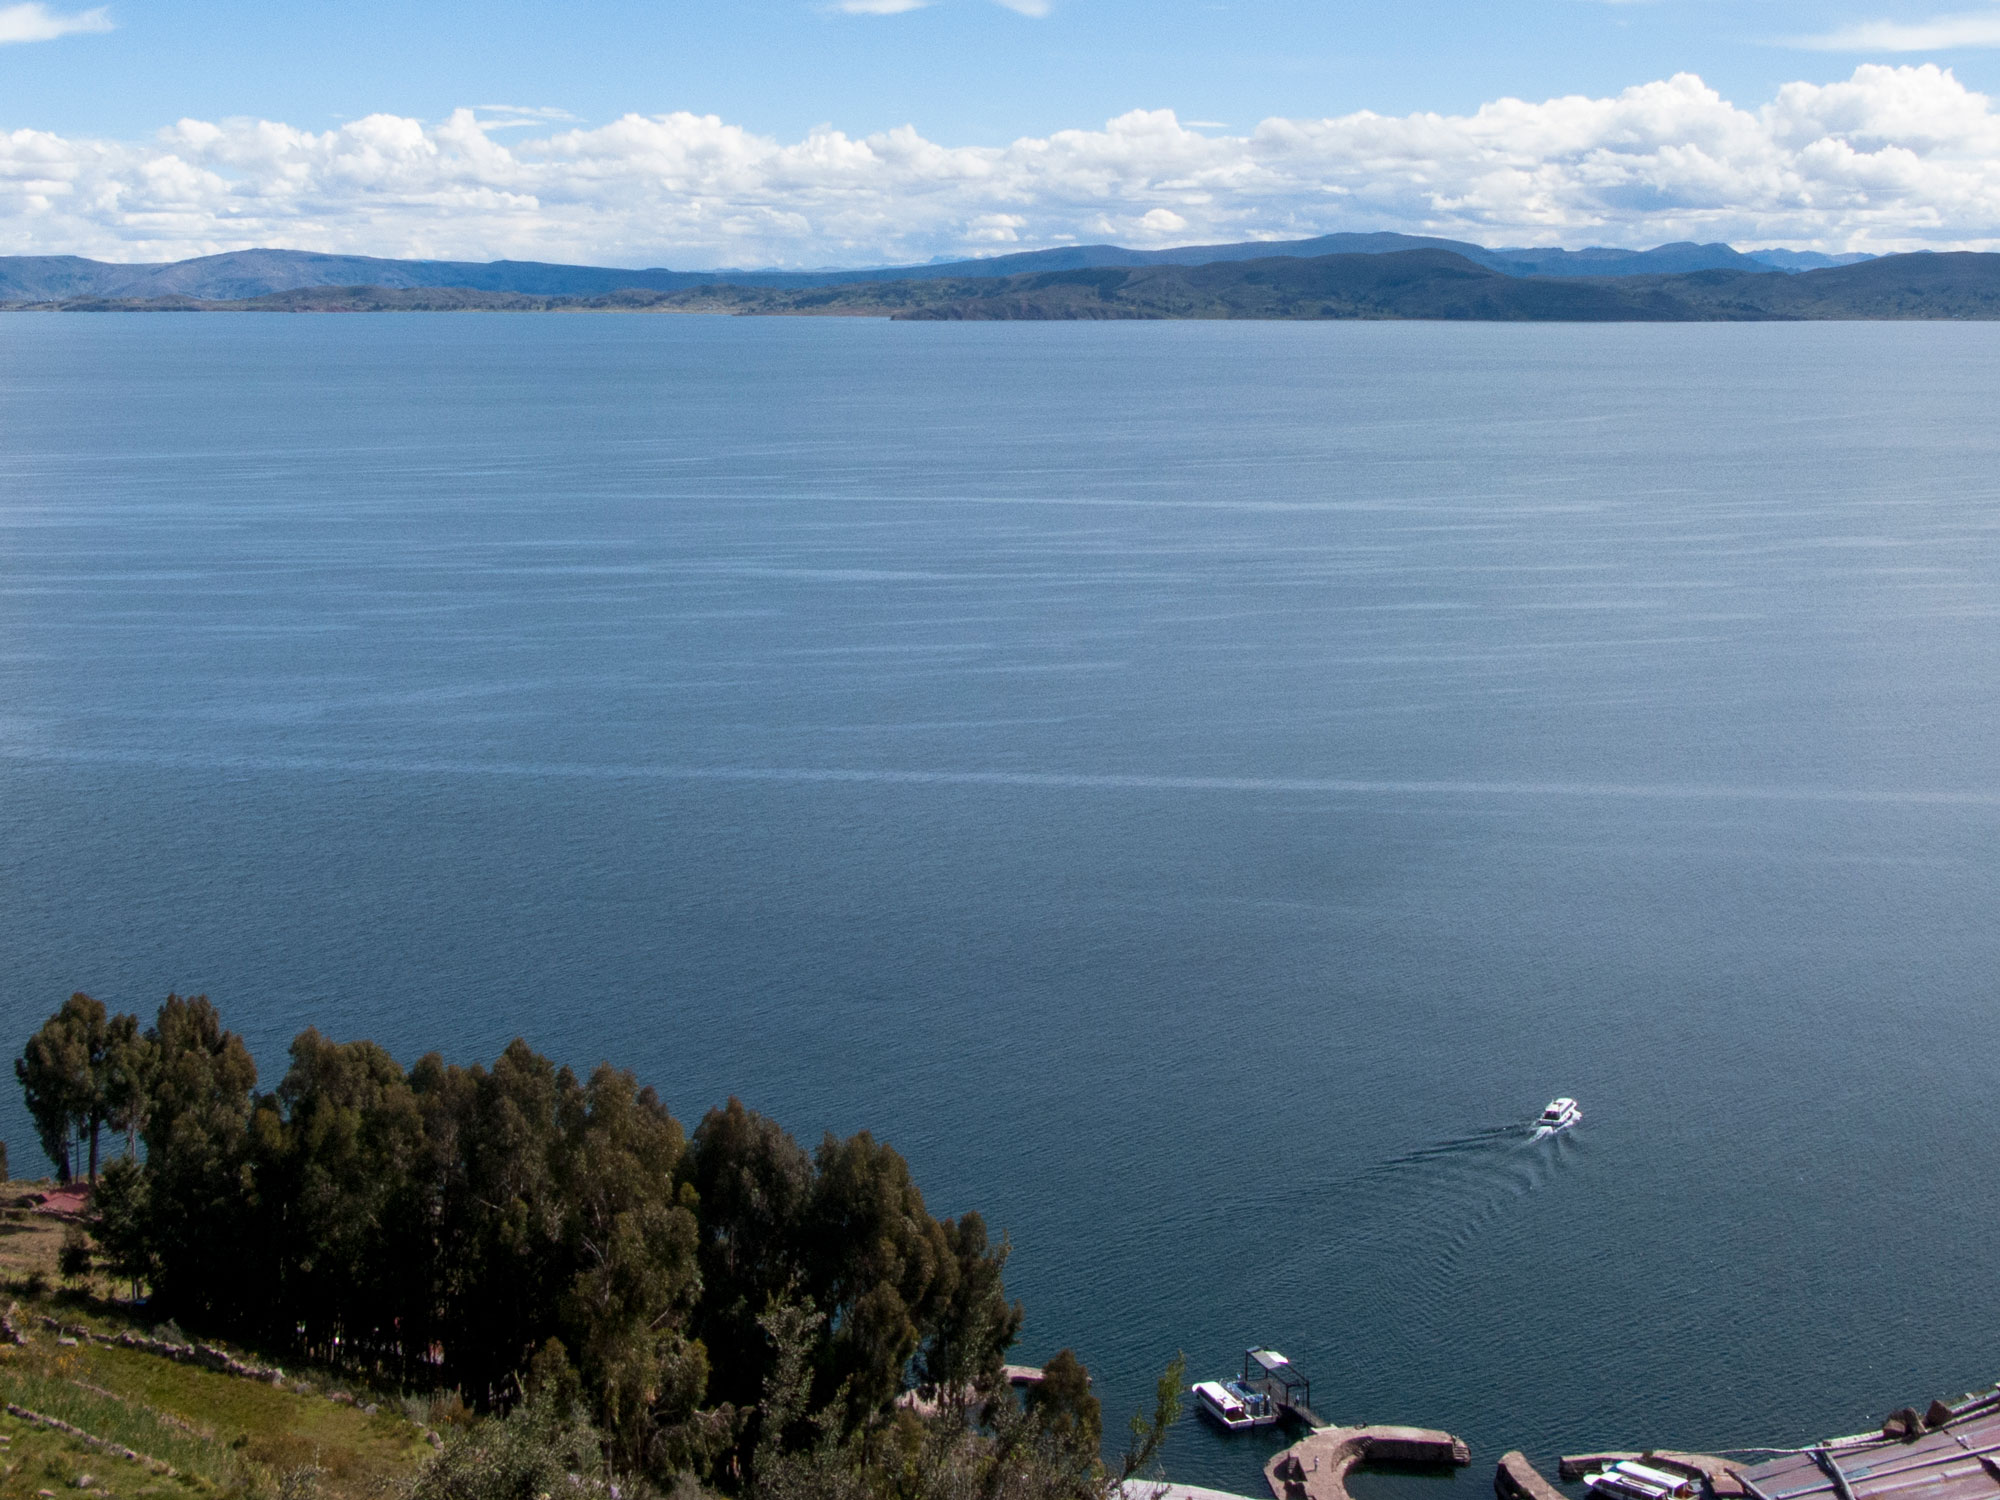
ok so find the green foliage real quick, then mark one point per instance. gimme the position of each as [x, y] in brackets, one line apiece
[792, 1331]
[551, 1377]
[231, 1439]
[118, 1420]
[631, 1251]
[42, 1461]
[73, 1255]
[197, 1141]
[537, 1450]
[120, 1222]
[125, 1078]
[335, 1150]
[1063, 1406]
[1044, 1451]
[749, 1183]
[61, 1076]
[1143, 1451]
[972, 1325]
[724, 1306]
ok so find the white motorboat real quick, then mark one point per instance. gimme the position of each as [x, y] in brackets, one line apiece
[1236, 1407]
[1629, 1480]
[1560, 1115]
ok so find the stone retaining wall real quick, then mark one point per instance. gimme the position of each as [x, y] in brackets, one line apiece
[102, 1445]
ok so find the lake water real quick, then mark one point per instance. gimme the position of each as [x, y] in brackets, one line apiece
[1197, 789]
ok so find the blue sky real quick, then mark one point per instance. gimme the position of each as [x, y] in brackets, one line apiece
[976, 76]
[961, 71]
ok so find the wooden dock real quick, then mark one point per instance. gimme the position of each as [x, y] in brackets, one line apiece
[1316, 1467]
[1299, 1412]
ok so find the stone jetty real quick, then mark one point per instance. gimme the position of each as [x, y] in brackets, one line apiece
[1315, 1467]
[1517, 1479]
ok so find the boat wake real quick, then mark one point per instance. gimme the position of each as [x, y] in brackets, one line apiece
[1402, 1229]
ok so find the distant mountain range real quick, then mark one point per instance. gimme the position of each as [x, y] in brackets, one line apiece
[1432, 284]
[244, 274]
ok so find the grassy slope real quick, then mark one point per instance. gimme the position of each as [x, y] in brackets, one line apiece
[225, 1435]
[35, 1461]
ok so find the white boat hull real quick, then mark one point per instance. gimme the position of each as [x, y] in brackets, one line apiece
[1558, 1117]
[1222, 1407]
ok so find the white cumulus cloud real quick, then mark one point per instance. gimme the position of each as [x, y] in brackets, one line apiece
[1939, 34]
[37, 23]
[1888, 158]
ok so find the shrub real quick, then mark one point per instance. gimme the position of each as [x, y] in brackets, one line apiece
[73, 1259]
[536, 1450]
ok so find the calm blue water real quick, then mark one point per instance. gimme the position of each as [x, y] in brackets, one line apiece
[1197, 789]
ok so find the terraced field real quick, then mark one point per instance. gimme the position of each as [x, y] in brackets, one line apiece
[135, 1423]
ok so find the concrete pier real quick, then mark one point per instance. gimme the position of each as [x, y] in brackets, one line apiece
[1517, 1479]
[1315, 1468]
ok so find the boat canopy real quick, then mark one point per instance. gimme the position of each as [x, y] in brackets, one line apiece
[1268, 1371]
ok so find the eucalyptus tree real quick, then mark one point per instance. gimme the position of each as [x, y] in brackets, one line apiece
[634, 1274]
[1063, 1405]
[751, 1183]
[130, 1058]
[726, 1301]
[970, 1323]
[493, 1185]
[62, 1076]
[200, 1210]
[335, 1155]
[876, 1263]
[119, 1221]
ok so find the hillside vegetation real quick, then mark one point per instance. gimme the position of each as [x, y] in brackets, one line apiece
[1431, 284]
[550, 1257]
[258, 273]
[196, 1431]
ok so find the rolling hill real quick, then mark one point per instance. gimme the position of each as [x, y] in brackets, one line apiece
[257, 273]
[1421, 284]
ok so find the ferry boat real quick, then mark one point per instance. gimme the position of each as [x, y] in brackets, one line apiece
[1235, 1406]
[1630, 1480]
[1560, 1115]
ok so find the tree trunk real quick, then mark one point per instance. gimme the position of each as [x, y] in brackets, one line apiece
[96, 1126]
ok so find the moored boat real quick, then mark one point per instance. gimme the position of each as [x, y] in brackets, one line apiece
[1234, 1406]
[1630, 1480]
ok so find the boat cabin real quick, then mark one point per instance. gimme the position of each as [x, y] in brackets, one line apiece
[1630, 1480]
[1234, 1407]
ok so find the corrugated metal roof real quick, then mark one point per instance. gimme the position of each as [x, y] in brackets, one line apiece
[1956, 1460]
